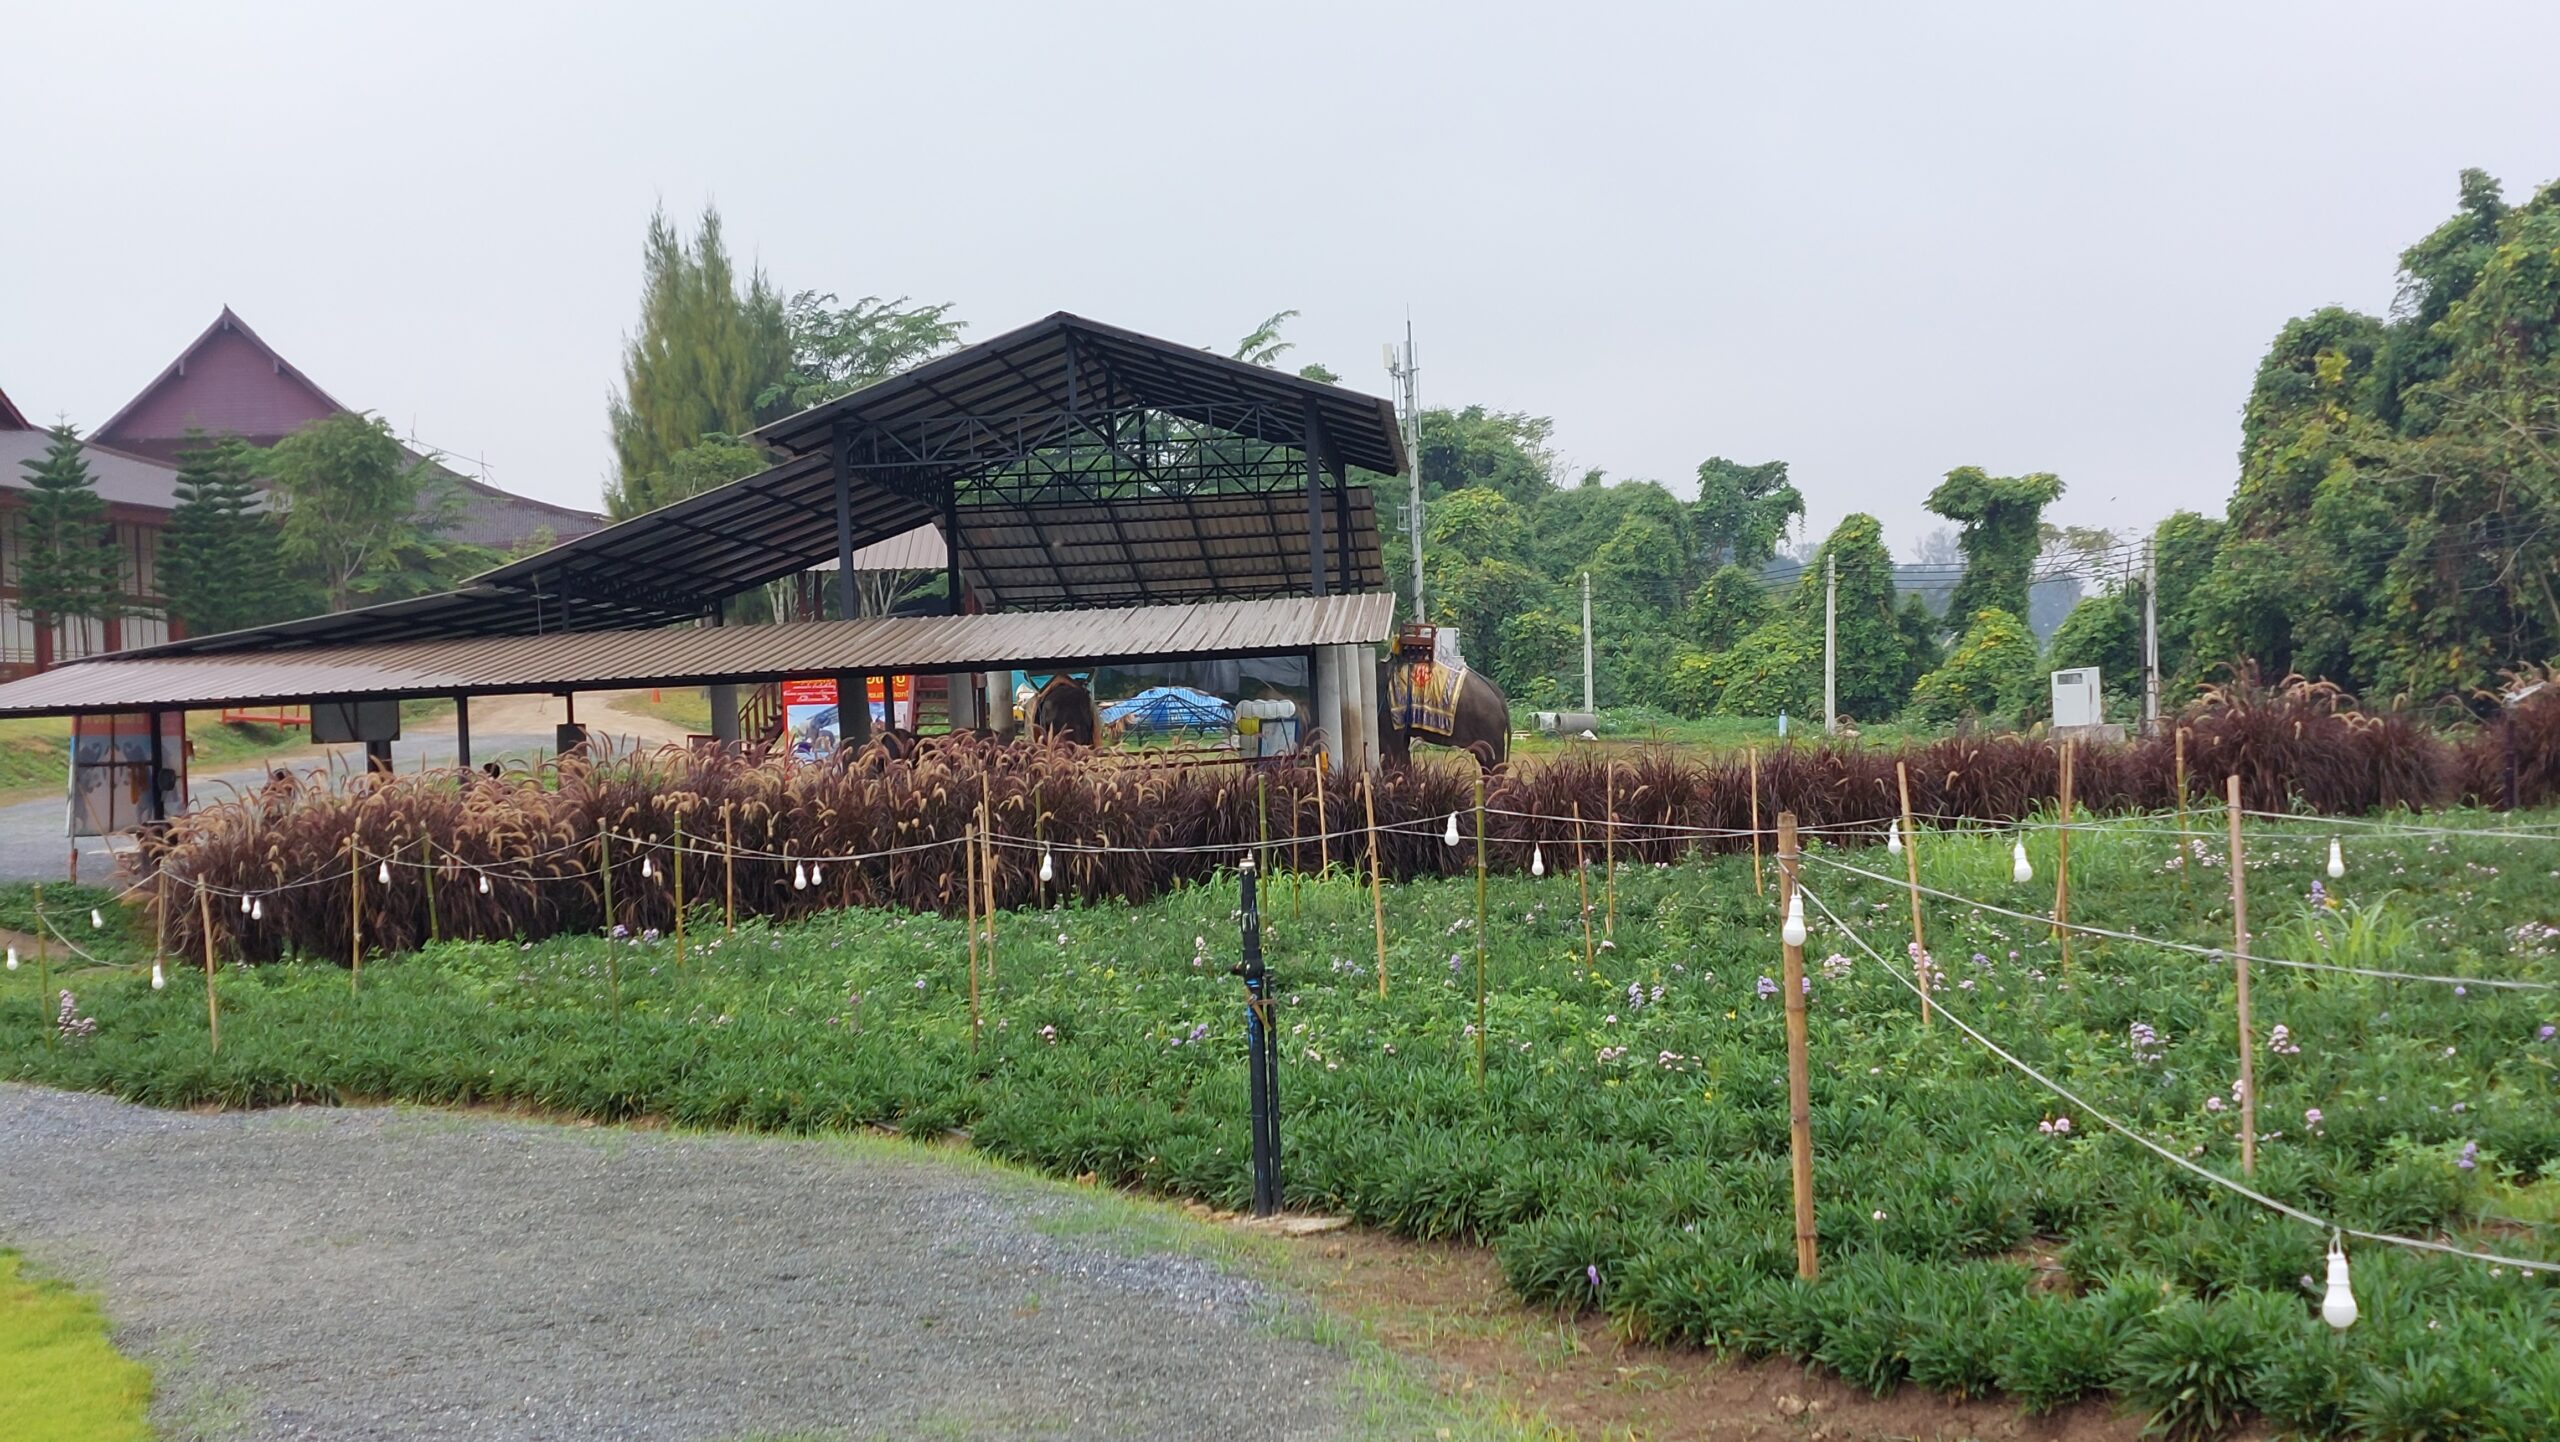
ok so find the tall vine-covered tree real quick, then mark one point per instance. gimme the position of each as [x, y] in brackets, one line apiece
[713, 355]
[1869, 665]
[1999, 522]
[67, 571]
[221, 566]
[1742, 512]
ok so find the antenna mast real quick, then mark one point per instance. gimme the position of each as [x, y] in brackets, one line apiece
[1409, 402]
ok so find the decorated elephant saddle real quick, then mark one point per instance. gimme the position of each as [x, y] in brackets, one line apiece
[1423, 696]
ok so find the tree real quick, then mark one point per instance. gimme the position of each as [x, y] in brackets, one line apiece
[1501, 451]
[1742, 512]
[67, 567]
[708, 356]
[1989, 674]
[838, 349]
[2000, 520]
[221, 567]
[2105, 631]
[1731, 605]
[361, 520]
[1776, 669]
[1868, 669]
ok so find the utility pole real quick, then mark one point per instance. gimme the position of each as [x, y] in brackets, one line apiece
[1830, 645]
[1587, 707]
[2150, 635]
[1405, 373]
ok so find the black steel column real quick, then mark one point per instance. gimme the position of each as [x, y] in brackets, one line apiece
[1341, 526]
[846, 607]
[1262, 1071]
[159, 791]
[951, 547]
[1311, 439]
[462, 732]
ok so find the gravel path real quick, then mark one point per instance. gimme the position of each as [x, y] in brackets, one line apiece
[392, 1273]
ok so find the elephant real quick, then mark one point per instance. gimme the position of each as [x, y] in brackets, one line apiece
[1480, 724]
[1064, 709]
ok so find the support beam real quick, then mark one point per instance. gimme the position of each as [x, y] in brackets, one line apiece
[853, 709]
[846, 605]
[1325, 662]
[724, 714]
[1000, 702]
[1313, 443]
[1344, 581]
[377, 757]
[1363, 663]
[462, 732]
[962, 687]
[158, 790]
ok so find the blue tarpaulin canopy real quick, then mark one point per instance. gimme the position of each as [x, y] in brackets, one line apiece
[1169, 708]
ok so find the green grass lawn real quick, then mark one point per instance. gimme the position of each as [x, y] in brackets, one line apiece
[60, 1379]
[1627, 1146]
[35, 752]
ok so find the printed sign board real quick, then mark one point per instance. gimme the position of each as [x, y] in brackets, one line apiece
[111, 771]
[809, 720]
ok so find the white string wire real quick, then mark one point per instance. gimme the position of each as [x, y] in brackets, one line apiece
[2058, 1089]
[2213, 952]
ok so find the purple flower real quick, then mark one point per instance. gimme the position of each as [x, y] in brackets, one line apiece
[2213, 1104]
[2312, 1118]
[2547, 1033]
[1768, 988]
[1593, 1272]
[2470, 1157]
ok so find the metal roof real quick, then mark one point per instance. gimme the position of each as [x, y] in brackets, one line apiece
[1066, 361]
[689, 655]
[120, 479]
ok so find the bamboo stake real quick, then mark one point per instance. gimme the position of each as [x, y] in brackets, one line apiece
[729, 866]
[970, 863]
[2186, 856]
[44, 971]
[1609, 856]
[1582, 878]
[987, 879]
[204, 919]
[1262, 822]
[604, 868]
[160, 915]
[1324, 842]
[679, 884]
[435, 930]
[1911, 863]
[1479, 929]
[2062, 864]
[2240, 976]
[1756, 888]
[1377, 881]
[1799, 1078]
[355, 912]
[1296, 861]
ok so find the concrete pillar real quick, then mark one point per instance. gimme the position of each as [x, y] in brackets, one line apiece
[1327, 665]
[1361, 662]
[963, 689]
[1000, 702]
[724, 714]
[853, 710]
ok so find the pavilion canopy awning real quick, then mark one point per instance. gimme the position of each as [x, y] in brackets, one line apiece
[679, 656]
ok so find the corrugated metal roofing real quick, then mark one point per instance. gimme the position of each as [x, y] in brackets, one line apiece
[688, 655]
[119, 478]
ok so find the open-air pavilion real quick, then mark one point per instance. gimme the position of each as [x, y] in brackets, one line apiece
[1101, 497]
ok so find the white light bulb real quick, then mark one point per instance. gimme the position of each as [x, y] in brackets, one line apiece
[2338, 1308]
[1793, 932]
[244, 901]
[2019, 869]
[1045, 870]
[818, 874]
[96, 922]
[484, 885]
[383, 874]
[645, 869]
[159, 981]
[258, 909]
[13, 958]
[1537, 862]
[1450, 836]
[799, 878]
[2337, 860]
[1893, 841]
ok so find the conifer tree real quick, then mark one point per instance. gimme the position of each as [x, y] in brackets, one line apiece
[67, 569]
[220, 565]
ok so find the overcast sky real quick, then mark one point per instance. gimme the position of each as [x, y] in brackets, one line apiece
[1874, 241]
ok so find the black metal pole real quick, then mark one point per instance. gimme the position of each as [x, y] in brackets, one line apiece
[1260, 1077]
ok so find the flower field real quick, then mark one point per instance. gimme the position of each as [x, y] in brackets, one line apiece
[1626, 1146]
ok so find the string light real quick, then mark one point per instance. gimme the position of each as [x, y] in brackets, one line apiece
[1794, 931]
[645, 871]
[1893, 841]
[1537, 861]
[258, 907]
[799, 877]
[244, 902]
[159, 980]
[96, 922]
[1450, 836]
[2337, 860]
[2338, 1308]
[2019, 869]
[384, 874]
[484, 883]
[818, 874]
[13, 958]
[1045, 871]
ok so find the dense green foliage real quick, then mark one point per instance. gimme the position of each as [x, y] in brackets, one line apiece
[1989, 672]
[221, 564]
[2000, 521]
[364, 519]
[1627, 1147]
[66, 560]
